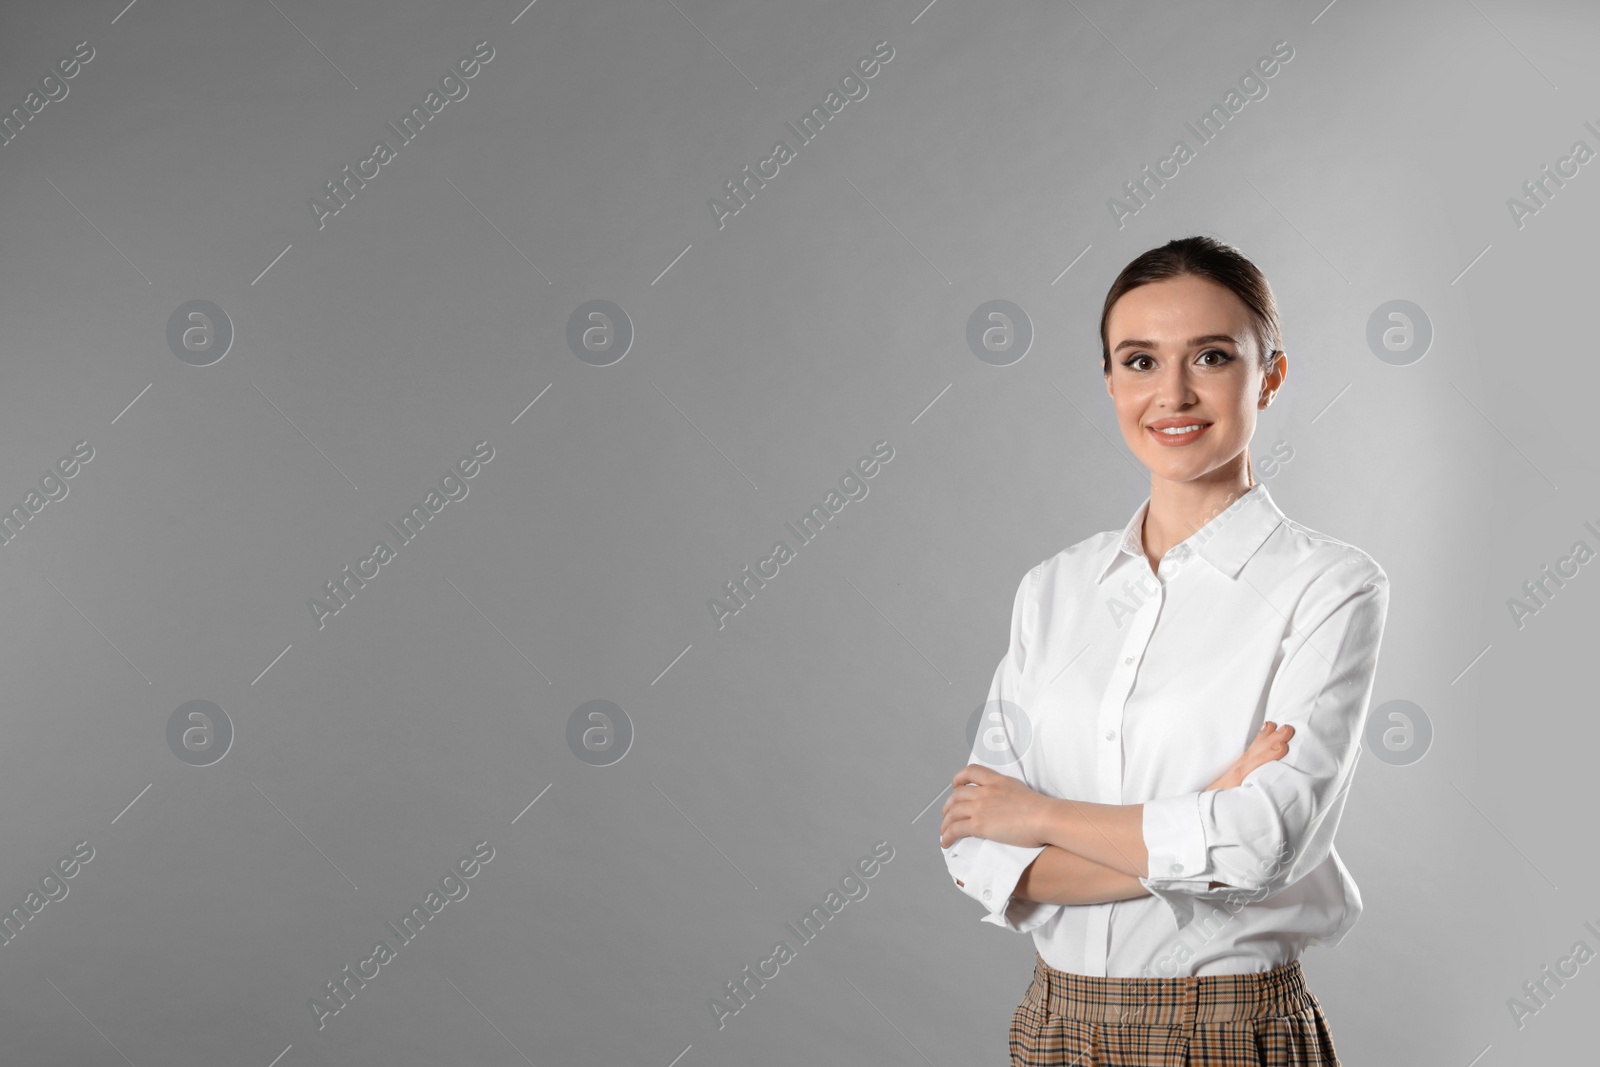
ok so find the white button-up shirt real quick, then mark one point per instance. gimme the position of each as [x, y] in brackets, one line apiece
[1127, 686]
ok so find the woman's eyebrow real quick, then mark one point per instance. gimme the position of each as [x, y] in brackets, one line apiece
[1203, 339]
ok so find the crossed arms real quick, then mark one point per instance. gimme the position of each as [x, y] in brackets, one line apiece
[1093, 853]
[1043, 851]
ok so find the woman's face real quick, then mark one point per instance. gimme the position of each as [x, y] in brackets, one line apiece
[1183, 353]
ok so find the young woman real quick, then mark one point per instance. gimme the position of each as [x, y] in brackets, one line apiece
[1169, 905]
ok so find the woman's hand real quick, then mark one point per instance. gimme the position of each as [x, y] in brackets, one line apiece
[1270, 744]
[986, 803]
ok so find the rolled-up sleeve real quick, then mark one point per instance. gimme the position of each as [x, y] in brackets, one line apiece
[987, 871]
[1277, 826]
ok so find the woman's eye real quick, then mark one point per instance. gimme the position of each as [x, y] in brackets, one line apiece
[1135, 362]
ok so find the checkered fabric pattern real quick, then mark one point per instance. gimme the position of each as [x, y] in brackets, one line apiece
[1268, 1019]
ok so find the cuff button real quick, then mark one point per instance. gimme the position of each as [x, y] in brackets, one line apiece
[1177, 868]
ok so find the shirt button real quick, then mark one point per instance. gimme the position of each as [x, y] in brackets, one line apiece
[1177, 868]
[1111, 735]
[1128, 660]
[985, 894]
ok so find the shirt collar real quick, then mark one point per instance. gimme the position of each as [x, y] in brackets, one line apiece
[1226, 542]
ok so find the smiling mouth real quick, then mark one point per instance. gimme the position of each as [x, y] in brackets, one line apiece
[1176, 436]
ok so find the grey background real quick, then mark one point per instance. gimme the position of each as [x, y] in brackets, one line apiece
[371, 754]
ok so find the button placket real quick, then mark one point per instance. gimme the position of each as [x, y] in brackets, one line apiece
[1108, 765]
[1114, 704]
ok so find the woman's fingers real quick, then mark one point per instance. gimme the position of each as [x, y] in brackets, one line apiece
[1270, 744]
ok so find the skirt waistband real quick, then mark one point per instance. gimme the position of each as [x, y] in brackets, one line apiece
[1170, 1001]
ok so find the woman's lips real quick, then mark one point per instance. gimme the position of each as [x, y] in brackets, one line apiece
[1175, 440]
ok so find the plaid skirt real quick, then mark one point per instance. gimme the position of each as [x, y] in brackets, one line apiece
[1268, 1019]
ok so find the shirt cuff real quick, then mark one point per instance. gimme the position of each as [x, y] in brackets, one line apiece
[1176, 842]
[987, 871]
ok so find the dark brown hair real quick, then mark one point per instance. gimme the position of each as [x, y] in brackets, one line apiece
[1207, 258]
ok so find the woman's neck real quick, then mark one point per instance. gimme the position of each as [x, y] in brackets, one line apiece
[1179, 509]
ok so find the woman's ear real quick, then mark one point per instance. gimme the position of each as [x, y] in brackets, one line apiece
[1272, 380]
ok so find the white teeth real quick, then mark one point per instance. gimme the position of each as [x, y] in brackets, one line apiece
[1175, 430]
